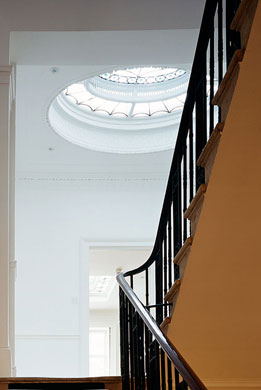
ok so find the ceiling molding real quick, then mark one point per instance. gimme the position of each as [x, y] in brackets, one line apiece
[123, 176]
[135, 183]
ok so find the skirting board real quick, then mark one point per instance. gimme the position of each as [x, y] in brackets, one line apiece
[233, 384]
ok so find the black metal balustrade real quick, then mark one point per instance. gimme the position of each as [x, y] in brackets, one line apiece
[145, 360]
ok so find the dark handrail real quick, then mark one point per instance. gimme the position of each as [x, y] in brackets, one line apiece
[179, 362]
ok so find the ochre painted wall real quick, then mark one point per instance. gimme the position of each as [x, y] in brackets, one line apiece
[217, 320]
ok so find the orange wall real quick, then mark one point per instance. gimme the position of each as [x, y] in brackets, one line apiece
[217, 320]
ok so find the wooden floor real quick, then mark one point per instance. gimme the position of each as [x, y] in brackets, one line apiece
[110, 382]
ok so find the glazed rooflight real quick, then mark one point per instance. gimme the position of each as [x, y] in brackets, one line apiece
[131, 93]
[143, 75]
[131, 110]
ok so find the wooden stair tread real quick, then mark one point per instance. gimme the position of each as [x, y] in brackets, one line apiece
[172, 291]
[165, 323]
[244, 8]
[197, 198]
[243, 20]
[203, 158]
[227, 79]
[183, 250]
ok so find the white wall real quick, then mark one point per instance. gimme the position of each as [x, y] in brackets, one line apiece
[52, 219]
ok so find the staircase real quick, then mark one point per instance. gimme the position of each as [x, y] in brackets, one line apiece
[242, 22]
[147, 359]
[206, 159]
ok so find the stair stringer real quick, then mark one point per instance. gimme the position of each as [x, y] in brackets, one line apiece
[217, 322]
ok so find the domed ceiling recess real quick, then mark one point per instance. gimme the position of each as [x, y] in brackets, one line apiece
[132, 110]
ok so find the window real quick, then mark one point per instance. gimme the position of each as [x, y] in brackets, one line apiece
[99, 351]
[131, 93]
[131, 110]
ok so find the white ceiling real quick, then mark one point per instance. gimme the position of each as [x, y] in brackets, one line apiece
[82, 15]
[105, 48]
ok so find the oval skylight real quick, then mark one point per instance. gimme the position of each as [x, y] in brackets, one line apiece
[132, 110]
[131, 93]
